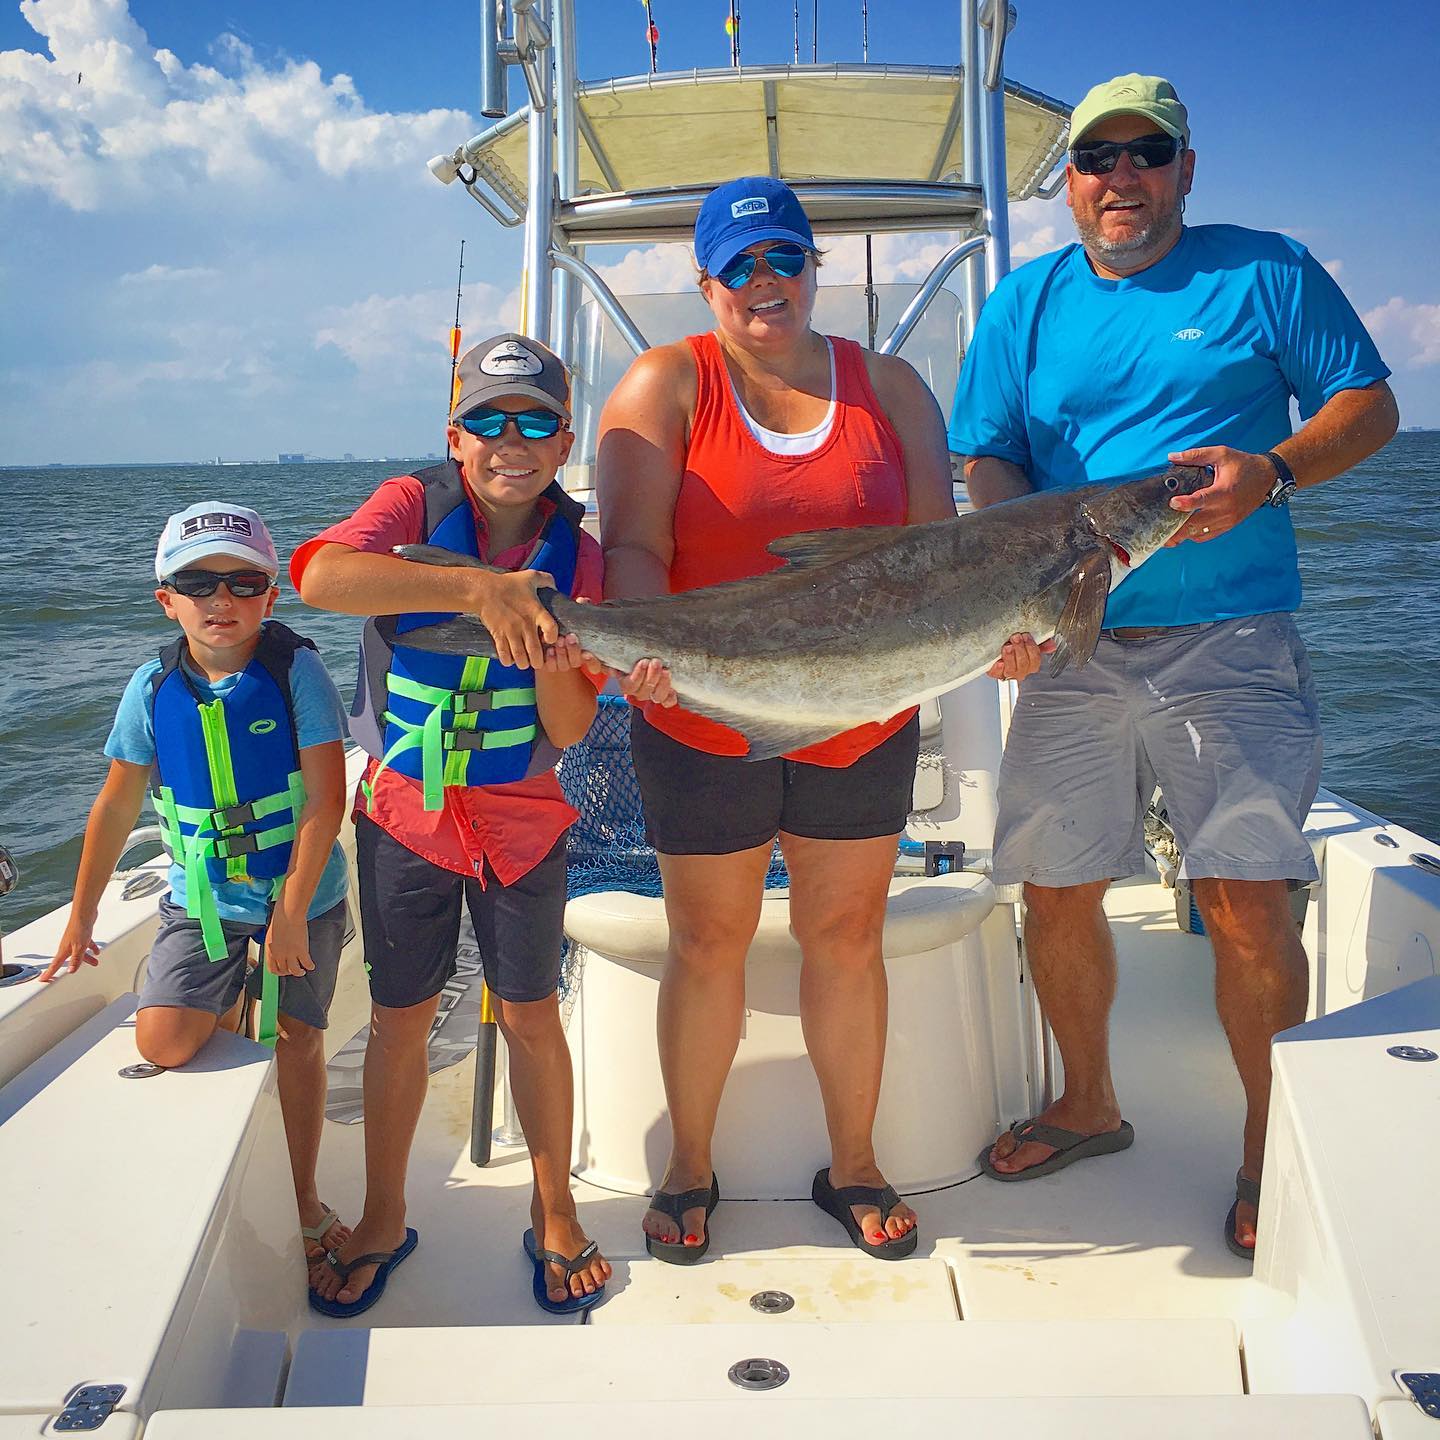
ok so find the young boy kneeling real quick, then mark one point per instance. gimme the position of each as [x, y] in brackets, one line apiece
[461, 801]
[238, 730]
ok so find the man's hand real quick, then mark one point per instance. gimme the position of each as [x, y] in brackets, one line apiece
[287, 945]
[1019, 657]
[649, 680]
[76, 947]
[508, 608]
[1242, 481]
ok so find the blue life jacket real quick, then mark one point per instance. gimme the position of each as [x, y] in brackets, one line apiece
[226, 782]
[458, 720]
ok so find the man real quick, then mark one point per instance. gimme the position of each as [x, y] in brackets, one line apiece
[1149, 342]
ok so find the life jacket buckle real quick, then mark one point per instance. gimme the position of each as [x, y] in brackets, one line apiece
[471, 702]
[228, 847]
[235, 816]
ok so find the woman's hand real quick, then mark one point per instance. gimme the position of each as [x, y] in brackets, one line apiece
[649, 680]
[1019, 657]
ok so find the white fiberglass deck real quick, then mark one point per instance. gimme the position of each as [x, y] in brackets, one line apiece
[1131, 1236]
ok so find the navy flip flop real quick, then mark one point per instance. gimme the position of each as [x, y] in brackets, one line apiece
[675, 1204]
[387, 1260]
[836, 1202]
[1248, 1190]
[1069, 1146]
[539, 1285]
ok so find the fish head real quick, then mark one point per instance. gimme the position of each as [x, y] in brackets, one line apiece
[1135, 519]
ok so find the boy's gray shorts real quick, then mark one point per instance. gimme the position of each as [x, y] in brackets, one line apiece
[1223, 717]
[180, 974]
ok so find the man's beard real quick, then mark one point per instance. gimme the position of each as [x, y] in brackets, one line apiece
[1156, 236]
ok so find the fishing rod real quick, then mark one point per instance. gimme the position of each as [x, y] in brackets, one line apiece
[455, 338]
[652, 35]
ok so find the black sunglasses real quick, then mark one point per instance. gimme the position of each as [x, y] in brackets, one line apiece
[196, 584]
[489, 424]
[786, 260]
[1147, 152]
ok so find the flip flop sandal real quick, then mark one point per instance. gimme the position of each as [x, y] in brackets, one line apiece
[572, 1304]
[837, 1202]
[387, 1260]
[677, 1252]
[1247, 1190]
[1069, 1145]
[317, 1231]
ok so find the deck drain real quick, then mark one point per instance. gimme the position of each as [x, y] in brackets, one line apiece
[772, 1302]
[141, 1071]
[1412, 1052]
[758, 1374]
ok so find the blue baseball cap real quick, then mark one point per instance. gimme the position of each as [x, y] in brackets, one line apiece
[741, 212]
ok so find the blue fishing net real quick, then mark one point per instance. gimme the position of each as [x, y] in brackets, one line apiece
[608, 849]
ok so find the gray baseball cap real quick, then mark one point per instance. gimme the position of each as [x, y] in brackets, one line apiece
[511, 365]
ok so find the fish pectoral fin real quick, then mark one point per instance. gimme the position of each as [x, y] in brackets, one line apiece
[463, 635]
[822, 547]
[1077, 632]
[769, 738]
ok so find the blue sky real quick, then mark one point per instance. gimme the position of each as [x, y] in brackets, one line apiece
[224, 240]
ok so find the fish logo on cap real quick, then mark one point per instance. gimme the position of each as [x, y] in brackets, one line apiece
[756, 205]
[512, 358]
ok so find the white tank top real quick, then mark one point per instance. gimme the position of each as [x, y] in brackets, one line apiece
[777, 442]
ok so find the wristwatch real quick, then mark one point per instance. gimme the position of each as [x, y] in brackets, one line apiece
[1285, 485]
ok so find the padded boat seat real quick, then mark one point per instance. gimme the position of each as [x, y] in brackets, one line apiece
[1348, 1213]
[770, 1416]
[150, 1227]
[924, 913]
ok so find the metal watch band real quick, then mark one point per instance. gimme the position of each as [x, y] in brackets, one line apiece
[1285, 484]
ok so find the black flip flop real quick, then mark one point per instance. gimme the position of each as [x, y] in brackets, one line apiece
[837, 1203]
[677, 1252]
[1247, 1190]
[1069, 1146]
[384, 1260]
[539, 1258]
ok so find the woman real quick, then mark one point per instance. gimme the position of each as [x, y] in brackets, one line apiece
[711, 448]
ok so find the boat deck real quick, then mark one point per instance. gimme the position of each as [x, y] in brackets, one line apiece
[1135, 1236]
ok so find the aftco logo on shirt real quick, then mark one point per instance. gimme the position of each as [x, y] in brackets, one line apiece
[1188, 333]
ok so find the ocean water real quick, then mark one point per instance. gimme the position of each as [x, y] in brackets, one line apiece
[77, 615]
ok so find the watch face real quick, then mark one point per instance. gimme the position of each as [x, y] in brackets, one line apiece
[1282, 492]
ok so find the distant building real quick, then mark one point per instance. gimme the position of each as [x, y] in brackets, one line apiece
[296, 459]
[348, 455]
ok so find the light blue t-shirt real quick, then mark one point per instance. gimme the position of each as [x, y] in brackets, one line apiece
[1082, 380]
[319, 718]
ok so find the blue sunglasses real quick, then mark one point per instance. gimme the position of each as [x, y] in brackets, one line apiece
[785, 260]
[489, 424]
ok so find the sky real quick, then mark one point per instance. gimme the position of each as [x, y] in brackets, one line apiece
[218, 236]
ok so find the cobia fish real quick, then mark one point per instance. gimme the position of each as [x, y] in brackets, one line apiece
[859, 624]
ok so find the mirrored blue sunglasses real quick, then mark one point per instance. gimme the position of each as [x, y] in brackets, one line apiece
[785, 260]
[489, 424]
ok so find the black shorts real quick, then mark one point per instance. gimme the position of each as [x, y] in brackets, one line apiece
[410, 919]
[701, 804]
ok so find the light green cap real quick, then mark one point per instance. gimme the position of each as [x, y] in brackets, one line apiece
[1146, 95]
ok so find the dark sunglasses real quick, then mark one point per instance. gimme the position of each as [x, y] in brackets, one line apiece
[1148, 152]
[784, 260]
[196, 584]
[490, 424]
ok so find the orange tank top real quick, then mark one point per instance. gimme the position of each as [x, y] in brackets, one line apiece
[736, 497]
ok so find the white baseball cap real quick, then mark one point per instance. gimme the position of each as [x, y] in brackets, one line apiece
[214, 527]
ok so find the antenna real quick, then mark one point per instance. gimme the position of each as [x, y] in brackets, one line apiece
[865, 31]
[815, 32]
[797, 30]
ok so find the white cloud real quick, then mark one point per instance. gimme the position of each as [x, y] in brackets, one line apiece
[1407, 332]
[1333, 267]
[169, 275]
[386, 334]
[107, 117]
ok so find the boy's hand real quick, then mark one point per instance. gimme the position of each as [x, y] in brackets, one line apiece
[518, 623]
[76, 947]
[287, 945]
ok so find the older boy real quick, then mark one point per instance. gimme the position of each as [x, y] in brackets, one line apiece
[461, 801]
[238, 731]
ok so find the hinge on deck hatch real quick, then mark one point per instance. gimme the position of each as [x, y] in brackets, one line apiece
[89, 1407]
[1424, 1388]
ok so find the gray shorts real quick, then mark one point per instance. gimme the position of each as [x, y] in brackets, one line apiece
[180, 974]
[1223, 717]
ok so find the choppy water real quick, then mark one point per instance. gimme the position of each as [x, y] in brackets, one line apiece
[77, 616]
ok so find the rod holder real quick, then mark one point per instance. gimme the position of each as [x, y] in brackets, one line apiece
[494, 87]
